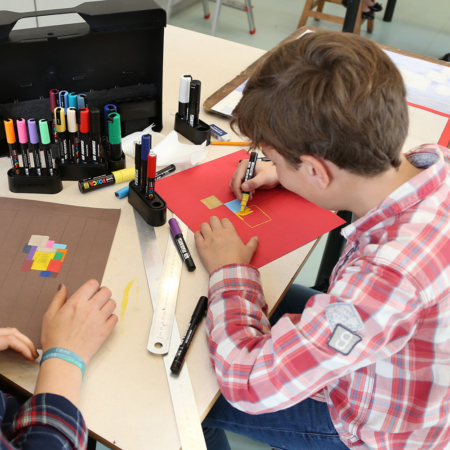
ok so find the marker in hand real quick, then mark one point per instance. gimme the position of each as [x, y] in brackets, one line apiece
[249, 174]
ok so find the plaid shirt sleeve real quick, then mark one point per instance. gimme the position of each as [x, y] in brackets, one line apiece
[44, 422]
[262, 370]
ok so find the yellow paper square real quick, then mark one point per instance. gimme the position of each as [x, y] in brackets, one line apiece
[41, 260]
[212, 202]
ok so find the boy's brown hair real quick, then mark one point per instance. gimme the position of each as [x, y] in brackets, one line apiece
[336, 96]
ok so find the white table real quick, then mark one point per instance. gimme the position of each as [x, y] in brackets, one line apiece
[125, 397]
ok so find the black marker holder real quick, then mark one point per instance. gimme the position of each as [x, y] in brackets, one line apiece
[153, 211]
[197, 135]
[33, 183]
[77, 172]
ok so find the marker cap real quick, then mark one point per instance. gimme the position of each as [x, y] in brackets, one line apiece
[72, 120]
[60, 120]
[151, 167]
[185, 82]
[22, 131]
[146, 145]
[9, 130]
[114, 132]
[81, 101]
[73, 103]
[43, 129]
[64, 100]
[32, 129]
[95, 120]
[124, 175]
[174, 227]
[195, 90]
[84, 120]
[107, 110]
[54, 99]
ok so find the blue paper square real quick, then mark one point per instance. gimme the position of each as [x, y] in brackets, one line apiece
[45, 274]
[26, 248]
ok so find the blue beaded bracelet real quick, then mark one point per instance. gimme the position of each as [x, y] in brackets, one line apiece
[65, 355]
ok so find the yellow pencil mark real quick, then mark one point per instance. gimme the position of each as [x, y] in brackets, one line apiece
[248, 210]
[126, 295]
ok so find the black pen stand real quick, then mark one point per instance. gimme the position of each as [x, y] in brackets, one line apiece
[153, 211]
[197, 135]
[77, 172]
[33, 183]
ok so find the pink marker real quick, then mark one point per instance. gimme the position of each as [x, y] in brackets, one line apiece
[23, 140]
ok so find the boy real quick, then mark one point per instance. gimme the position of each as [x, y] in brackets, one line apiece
[367, 364]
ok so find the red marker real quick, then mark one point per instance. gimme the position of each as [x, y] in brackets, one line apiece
[151, 174]
[84, 135]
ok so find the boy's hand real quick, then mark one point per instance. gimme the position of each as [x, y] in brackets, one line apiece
[80, 324]
[14, 339]
[265, 178]
[218, 244]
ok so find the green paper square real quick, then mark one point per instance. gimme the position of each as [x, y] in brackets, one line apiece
[58, 256]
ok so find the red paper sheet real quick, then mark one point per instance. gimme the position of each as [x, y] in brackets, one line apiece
[282, 220]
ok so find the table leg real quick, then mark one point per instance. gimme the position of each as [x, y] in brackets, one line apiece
[389, 12]
[351, 16]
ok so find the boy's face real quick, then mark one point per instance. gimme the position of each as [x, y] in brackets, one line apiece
[302, 181]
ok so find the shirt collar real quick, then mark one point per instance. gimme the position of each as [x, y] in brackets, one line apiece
[433, 158]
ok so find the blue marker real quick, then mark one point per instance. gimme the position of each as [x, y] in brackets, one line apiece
[64, 100]
[73, 100]
[121, 193]
[81, 101]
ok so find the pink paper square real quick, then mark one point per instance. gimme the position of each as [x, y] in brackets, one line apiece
[50, 244]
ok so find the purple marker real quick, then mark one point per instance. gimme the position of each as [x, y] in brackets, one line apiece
[34, 145]
[181, 245]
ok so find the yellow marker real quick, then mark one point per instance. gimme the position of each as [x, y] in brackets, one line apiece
[118, 176]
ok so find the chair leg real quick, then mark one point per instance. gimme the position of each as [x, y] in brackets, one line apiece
[206, 9]
[320, 8]
[251, 21]
[358, 22]
[370, 25]
[305, 16]
[216, 17]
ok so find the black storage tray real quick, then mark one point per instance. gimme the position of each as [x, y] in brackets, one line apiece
[197, 135]
[112, 50]
[152, 211]
[33, 183]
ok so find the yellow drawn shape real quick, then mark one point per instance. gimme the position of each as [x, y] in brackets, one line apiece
[248, 211]
[41, 260]
[126, 295]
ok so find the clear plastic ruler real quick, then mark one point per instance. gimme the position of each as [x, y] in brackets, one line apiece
[182, 395]
[164, 312]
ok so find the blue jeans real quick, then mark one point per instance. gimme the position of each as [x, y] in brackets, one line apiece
[306, 425]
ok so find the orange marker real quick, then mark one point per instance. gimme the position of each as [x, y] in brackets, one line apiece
[12, 145]
[244, 144]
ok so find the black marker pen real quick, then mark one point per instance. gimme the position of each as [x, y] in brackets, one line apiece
[96, 136]
[197, 316]
[34, 145]
[181, 245]
[60, 120]
[137, 163]
[249, 174]
[23, 141]
[183, 99]
[194, 102]
[163, 172]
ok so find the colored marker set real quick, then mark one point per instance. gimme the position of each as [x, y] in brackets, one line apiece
[187, 121]
[142, 193]
[42, 178]
[83, 151]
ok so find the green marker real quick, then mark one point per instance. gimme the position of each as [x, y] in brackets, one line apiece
[45, 141]
[115, 136]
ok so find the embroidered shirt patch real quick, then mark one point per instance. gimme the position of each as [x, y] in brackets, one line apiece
[343, 340]
[345, 314]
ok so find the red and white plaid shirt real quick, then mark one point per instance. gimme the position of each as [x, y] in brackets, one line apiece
[376, 348]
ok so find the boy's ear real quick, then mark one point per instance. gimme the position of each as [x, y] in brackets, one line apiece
[317, 170]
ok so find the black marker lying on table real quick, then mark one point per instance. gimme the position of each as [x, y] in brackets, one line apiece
[197, 316]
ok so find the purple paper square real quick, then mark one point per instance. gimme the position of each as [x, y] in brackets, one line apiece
[31, 254]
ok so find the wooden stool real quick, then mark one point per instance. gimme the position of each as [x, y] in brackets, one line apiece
[308, 11]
